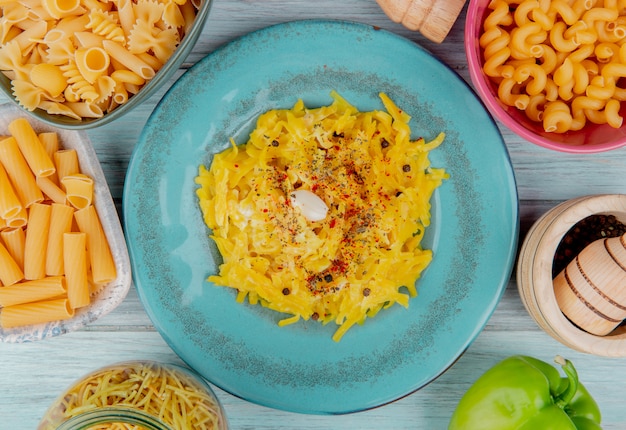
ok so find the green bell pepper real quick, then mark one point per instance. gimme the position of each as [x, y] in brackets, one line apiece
[524, 393]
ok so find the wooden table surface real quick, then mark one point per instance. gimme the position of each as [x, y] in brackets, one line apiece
[32, 375]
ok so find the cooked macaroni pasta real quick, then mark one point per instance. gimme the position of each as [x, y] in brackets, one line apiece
[320, 215]
[560, 61]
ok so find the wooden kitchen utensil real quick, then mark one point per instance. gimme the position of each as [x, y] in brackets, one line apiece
[433, 18]
[591, 290]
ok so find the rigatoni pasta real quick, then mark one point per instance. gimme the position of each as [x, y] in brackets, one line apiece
[78, 190]
[29, 291]
[35, 312]
[10, 205]
[36, 241]
[100, 257]
[10, 272]
[54, 253]
[51, 190]
[66, 161]
[31, 147]
[61, 217]
[75, 261]
[18, 171]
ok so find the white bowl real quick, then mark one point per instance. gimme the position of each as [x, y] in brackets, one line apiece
[111, 294]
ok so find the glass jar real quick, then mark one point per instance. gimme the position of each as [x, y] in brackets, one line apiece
[138, 395]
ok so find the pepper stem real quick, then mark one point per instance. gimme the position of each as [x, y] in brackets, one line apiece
[572, 376]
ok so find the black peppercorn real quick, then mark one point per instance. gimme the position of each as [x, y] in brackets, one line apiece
[366, 292]
[286, 291]
[583, 233]
[384, 143]
[275, 143]
[328, 278]
[406, 168]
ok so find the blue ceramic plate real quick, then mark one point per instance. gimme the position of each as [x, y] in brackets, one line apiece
[239, 347]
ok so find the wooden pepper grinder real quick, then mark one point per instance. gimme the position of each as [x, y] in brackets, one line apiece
[433, 18]
[591, 290]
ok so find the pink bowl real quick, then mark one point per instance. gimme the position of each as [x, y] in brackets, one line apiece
[592, 138]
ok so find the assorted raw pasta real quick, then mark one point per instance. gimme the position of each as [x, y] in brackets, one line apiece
[559, 61]
[84, 58]
[54, 254]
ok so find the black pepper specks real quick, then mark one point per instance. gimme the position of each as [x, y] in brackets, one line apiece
[286, 291]
[406, 168]
[366, 292]
[583, 233]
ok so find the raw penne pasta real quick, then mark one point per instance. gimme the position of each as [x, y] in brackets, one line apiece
[51, 190]
[100, 257]
[128, 76]
[130, 61]
[61, 218]
[33, 291]
[126, 15]
[19, 172]
[10, 272]
[150, 60]
[10, 204]
[75, 261]
[78, 190]
[35, 313]
[87, 39]
[66, 161]
[31, 147]
[85, 109]
[14, 240]
[36, 241]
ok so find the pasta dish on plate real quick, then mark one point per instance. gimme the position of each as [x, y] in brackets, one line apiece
[321, 214]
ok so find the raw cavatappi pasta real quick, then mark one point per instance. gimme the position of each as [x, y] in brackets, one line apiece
[53, 252]
[83, 59]
[559, 61]
[320, 215]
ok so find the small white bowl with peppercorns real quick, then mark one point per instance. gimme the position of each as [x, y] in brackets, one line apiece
[551, 248]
